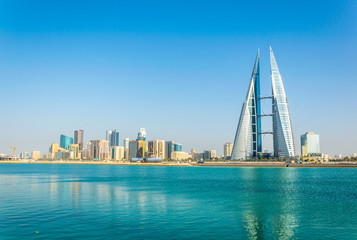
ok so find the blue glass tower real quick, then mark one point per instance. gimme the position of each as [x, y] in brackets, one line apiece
[65, 141]
[247, 141]
[177, 147]
[114, 138]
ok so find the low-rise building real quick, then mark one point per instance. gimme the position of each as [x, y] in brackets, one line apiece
[209, 154]
[61, 155]
[176, 155]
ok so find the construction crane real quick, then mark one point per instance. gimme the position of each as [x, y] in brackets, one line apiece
[13, 148]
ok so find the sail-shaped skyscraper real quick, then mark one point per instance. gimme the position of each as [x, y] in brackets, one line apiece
[248, 141]
[284, 145]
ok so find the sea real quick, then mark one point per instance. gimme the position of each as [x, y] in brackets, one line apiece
[63, 201]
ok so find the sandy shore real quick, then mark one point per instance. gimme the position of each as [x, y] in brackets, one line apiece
[194, 164]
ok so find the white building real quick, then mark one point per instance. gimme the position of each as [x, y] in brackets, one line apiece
[156, 149]
[227, 149]
[117, 153]
[35, 155]
[180, 155]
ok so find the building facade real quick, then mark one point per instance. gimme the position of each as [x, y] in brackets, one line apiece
[75, 149]
[209, 154]
[283, 138]
[112, 137]
[169, 148]
[53, 149]
[156, 149]
[178, 147]
[133, 148]
[310, 144]
[99, 149]
[126, 148]
[247, 141]
[78, 138]
[65, 142]
[35, 155]
[227, 149]
[117, 153]
[180, 155]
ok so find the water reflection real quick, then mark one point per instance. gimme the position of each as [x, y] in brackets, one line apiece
[106, 195]
[271, 208]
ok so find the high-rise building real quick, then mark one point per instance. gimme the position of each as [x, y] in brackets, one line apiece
[310, 144]
[247, 141]
[65, 141]
[35, 155]
[169, 148]
[156, 149]
[53, 149]
[133, 148]
[108, 136]
[141, 135]
[178, 147]
[86, 151]
[227, 149]
[117, 153]
[283, 138]
[209, 154]
[99, 149]
[112, 137]
[141, 147]
[78, 138]
[126, 148]
[75, 149]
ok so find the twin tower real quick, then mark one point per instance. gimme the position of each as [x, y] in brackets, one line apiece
[248, 139]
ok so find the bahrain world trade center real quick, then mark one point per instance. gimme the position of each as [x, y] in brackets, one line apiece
[248, 138]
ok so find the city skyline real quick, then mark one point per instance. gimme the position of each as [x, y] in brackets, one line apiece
[180, 75]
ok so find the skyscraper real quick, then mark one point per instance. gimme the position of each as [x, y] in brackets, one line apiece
[78, 138]
[247, 142]
[310, 144]
[113, 138]
[99, 149]
[126, 148]
[133, 148]
[108, 136]
[141, 135]
[53, 149]
[284, 145]
[169, 148]
[156, 149]
[65, 141]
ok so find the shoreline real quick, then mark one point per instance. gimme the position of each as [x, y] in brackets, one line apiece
[193, 164]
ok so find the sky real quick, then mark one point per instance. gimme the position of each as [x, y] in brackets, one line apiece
[179, 69]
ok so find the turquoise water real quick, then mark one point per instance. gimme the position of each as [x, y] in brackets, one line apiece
[144, 202]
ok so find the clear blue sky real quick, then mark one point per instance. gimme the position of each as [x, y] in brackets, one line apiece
[180, 69]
